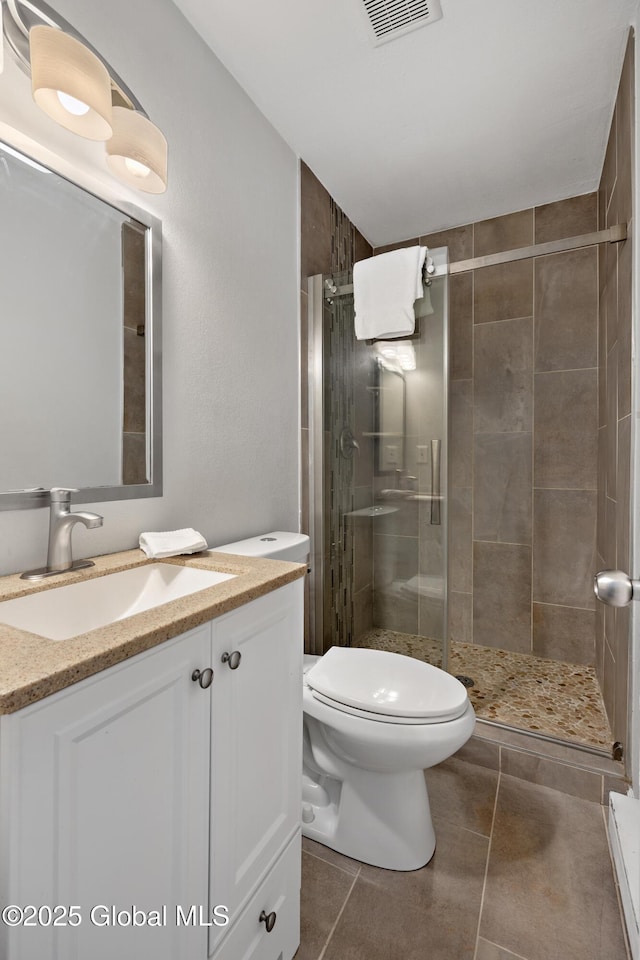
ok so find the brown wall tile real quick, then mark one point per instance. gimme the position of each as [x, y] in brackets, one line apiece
[623, 503]
[503, 377]
[461, 617]
[602, 357]
[502, 487]
[362, 249]
[461, 326]
[567, 218]
[388, 247]
[624, 322]
[612, 420]
[564, 547]
[611, 294]
[461, 433]
[503, 292]
[566, 310]
[503, 233]
[315, 236]
[565, 437]
[460, 540]
[502, 596]
[459, 240]
[563, 633]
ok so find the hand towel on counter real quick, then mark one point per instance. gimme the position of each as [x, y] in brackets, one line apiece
[172, 543]
[384, 291]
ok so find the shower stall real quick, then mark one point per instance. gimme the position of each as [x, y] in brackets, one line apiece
[379, 455]
[436, 505]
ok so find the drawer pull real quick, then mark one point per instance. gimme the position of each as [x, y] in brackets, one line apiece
[204, 677]
[233, 659]
[269, 920]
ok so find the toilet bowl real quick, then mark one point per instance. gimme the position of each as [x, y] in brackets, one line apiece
[373, 722]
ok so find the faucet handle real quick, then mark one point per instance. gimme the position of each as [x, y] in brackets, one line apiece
[62, 494]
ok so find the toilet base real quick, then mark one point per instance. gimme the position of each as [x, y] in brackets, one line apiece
[378, 818]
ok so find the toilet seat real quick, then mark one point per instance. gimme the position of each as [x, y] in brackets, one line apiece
[385, 687]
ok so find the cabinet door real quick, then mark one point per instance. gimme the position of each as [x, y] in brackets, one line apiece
[256, 745]
[104, 803]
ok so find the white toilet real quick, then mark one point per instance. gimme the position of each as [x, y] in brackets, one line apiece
[373, 722]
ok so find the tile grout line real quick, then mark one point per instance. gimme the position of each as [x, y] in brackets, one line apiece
[337, 920]
[315, 856]
[486, 868]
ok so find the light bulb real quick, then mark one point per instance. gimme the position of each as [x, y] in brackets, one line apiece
[72, 104]
[136, 168]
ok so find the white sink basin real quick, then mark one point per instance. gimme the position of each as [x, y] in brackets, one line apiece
[65, 611]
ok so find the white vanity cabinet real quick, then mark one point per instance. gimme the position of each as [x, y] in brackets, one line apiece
[142, 787]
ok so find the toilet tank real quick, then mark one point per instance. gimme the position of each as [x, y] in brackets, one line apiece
[278, 545]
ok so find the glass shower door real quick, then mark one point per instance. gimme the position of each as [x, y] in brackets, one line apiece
[379, 453]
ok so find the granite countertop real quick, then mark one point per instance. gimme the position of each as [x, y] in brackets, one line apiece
[33, 667]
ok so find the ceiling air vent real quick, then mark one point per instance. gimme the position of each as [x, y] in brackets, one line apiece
[393, 18]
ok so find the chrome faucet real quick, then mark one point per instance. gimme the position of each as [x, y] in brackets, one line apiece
[61, 524]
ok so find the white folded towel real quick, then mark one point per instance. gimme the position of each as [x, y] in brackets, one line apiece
[384, 291]
[171, 543]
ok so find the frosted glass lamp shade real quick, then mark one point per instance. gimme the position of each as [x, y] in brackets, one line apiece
[137, 151]
[70, 83]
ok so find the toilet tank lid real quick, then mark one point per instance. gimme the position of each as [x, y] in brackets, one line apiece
[277, 545]
[391, 684]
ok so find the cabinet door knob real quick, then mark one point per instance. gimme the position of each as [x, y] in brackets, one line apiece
[269, 920]
[204, 677]
[233, 659]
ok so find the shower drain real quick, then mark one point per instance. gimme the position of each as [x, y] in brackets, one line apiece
[465, 681]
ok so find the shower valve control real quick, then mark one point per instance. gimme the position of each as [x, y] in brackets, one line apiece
[615, 588]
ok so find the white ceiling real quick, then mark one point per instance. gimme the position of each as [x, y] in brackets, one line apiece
[501, 105]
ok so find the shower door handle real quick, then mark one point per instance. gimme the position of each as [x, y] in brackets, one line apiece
[615, 588]
[435, 482]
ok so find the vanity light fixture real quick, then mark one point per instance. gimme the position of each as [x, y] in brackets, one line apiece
[70, 83]
[79, 89]
[137, 151]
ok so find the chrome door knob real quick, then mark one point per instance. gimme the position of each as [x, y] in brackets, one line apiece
[615, 588]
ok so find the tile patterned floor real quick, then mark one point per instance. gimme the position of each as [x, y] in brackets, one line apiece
[559, 699]
[520, 872]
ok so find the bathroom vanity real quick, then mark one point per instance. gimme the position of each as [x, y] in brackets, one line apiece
[152, 808]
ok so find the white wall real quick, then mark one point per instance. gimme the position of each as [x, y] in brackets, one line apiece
[230, 310]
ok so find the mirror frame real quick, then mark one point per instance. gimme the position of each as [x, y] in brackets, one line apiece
[31, 499]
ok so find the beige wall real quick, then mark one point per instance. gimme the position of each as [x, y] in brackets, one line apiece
[615, 204]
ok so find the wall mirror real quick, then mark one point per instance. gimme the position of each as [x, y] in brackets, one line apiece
[80, 354]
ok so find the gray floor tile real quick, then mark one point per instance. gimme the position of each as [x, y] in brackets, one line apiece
[491, 951]
[429, 913]
[463, 793]
[324, 891]
[550, 892]
[330, 856]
